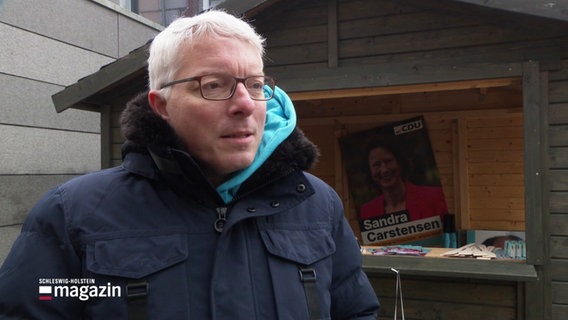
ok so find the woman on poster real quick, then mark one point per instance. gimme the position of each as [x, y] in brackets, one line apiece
[389, 169]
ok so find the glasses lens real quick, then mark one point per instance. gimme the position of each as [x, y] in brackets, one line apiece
[217, 87]
[271, 84]
[255, 87]
[222, 87]
[260, 87]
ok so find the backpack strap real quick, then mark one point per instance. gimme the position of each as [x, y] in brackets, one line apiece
[308, 278]
[136, 297]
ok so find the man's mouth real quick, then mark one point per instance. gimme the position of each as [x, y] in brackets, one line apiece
[238, 135]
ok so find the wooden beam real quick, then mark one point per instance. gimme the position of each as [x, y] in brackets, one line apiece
[332, 35]
[450, 267]
[107, 76]
[461, 173]
[391, 75]
[542, 8]
[430, 87]
[106, 135]
[382, 118]
[533, 97]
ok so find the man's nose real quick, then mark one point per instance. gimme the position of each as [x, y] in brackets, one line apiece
[242, 102]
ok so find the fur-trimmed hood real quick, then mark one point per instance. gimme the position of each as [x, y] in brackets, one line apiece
[142, 128]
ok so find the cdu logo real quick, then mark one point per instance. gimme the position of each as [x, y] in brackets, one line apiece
[408, 127]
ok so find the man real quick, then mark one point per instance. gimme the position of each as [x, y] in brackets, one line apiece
[210, 216]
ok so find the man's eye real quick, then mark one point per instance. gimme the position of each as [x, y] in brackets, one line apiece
[256, 85]
[211, 85]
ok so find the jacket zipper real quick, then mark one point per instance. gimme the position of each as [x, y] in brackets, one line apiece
[222, 211]
[221, 219]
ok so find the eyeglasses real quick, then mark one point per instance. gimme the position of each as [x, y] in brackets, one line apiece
[222, 87]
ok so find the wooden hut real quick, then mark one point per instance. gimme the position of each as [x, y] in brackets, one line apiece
[490, 80]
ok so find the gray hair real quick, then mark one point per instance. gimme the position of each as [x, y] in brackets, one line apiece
[163, 61]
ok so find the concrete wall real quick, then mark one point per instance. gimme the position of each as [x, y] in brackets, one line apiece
[47, 45]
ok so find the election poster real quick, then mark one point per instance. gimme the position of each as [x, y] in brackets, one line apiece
[395, 184]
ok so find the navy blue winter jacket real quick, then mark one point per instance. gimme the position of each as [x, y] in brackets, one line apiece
[155, 224]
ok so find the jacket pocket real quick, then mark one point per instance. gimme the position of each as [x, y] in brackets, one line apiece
[300, 243]
[135, 254]
[294, 246]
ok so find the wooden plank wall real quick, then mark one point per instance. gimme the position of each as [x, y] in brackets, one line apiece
[117, 139]
[446, 298]
[495, 172]
[556, 220]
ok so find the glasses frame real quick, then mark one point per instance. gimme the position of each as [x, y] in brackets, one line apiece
[233, 90]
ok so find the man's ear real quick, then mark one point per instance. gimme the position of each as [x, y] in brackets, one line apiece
[158, 104]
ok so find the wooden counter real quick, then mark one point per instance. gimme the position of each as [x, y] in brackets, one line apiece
[436, 265]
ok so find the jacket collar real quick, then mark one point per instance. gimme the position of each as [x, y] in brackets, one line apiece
[147, 133]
